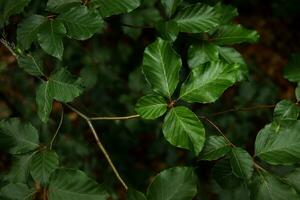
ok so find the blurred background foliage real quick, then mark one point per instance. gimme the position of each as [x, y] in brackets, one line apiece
[111, 62]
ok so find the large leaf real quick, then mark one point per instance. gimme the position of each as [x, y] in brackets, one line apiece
[42, 165]
[183, 129]
[17, 191]
[28, 29]
[286, 110]
[58, 6]
[268, 187]
[31, 64]
[133, 194]
[197, 18]
[241, 163]
[179, 183]
[279, 145]
[161, 67]
[200, 54]
[151, 106]
[50, 38]
[115, 7]
[81, 23]
[292, 70]
[208, 82]
[233, 34]
[293, 179]
[215, 147]
[67, 184]
[170, 6]
[17, 137]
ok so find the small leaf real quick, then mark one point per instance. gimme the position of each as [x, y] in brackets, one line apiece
[286, 110]
[292, 70]
[151, 106]
[17, 191]
[42, 165]
[70, 184]
[168, 30]
[215, 147]
[233, 34]
[203, 53]
[28, 29]
[43, 101]
[197, 18]
[207, 82]
[241, 163]
[161, 67]
[81, 23]
[226, 12]
[293, 179]
[17, 137]
[183, 129]
[59, 6]
[179, 183]
[50, 38]
[170, 6]
[133, 194]
[31, 64]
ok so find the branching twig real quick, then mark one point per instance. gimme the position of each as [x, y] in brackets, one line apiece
[57, 130]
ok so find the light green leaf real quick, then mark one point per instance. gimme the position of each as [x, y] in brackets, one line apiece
[226, 12]
[197, 18]
[28, 29]
[17, 191]
[268, 187]
[151, 106]
[170, 6]
[183, 129]
[50, 38]
[133, 194]
[168, 30]
[43, 101]
[59, 6]
[215, 147]
[42, 165]
[279, 145]
[241, 163]
[233, 34]
[67, 184]
[297, 92]
[207, 82]
[81, 23]
[293, 179]
[115, 7]
[286, 110]
[179, 183]
[292, 70]
[200, 54]
[161, 66]
[17, 137]
[31, 64]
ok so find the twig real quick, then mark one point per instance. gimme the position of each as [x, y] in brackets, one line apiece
[58, 128]
[115, 118]
[136, 26]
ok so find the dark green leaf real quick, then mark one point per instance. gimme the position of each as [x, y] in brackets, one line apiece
[133, 194]
[167, 30]
[43, 101]
[31, 64]
[297, 92]
[183, 129]
[241, 163]
[200, 54]
[115, 7]
[58, 6]
[179, 183]
[226, 12]
[286, 110]
[170, 6]
[151, 106]
[292, 70]
[161, 67]
[67, 184]
[215, 147]
[17, 191]
[293, 179]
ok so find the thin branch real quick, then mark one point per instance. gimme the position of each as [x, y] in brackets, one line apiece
[115, 118]
[136, 26]
[58, 128]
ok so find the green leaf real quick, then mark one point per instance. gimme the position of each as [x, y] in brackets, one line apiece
[170, 6]
[81, 23]
[151, 106]
[266, 186]
[292, 70]
[241, 163]
[161, 66]
[30, 64]
[44, 101]
[222, 173]
[279, 145]
[293, 179]
[226, 12]
[59, 6]
[233, 34]
[197, 18]
[215, 147]
[168, 30]
[17, 191]
[50, 38]
[200, 54]
[115, 7]
[70, 184]
[28, 29]
[133, 194]
[297, 92]
[179, 183]
[42, 165]
[286, 110]
[207, 82]
[17, 137]
[183, 129]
